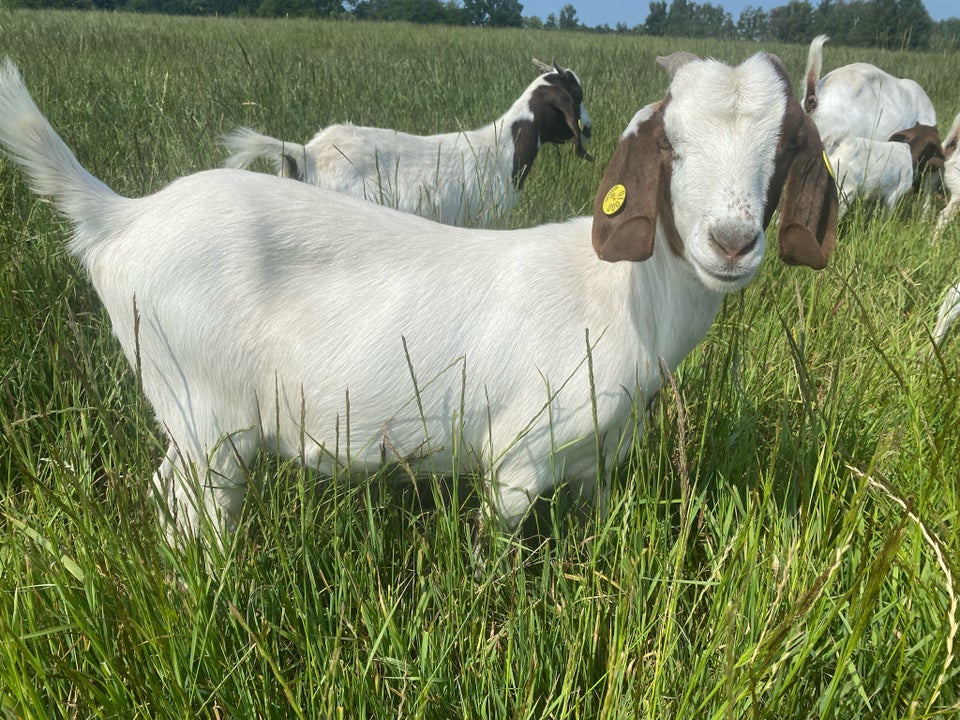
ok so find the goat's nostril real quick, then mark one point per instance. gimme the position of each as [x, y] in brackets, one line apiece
[736, 243]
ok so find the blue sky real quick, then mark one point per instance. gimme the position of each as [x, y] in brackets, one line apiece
[634, 12]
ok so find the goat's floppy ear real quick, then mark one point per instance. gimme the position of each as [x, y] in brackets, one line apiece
[561, 101]
[625, 208]
[805, 179]
[926, 152]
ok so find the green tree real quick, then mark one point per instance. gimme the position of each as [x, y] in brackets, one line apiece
[568, 18]
[753, 23]
[792, 23]
[293, 8]
[711, 21]
[494, 13]
[914, 25]
[656, 22]
[679, 19]
[946, 35]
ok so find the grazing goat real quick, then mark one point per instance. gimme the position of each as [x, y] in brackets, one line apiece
[951, 177]
[863, 113]
[265, 314]
[457, 178]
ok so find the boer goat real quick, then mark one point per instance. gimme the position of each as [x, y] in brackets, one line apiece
[880, 131]
[457, 178]
[265, 314]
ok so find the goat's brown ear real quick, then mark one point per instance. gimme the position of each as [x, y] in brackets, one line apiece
[925, 150]
[806, 181]
[561, 101]
[625, 208]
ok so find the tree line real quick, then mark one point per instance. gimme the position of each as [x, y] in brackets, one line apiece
[890, 24]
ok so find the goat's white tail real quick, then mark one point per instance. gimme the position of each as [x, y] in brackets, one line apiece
[50, 166]
[288, 159]
[814, 68]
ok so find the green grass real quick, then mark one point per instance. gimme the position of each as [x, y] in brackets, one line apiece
[783, 542]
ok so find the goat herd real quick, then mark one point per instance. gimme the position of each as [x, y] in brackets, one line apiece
[265, 313]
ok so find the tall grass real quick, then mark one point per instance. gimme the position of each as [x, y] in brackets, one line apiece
[782, 543]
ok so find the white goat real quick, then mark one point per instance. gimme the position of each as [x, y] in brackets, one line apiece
[265, 315]
[862, 113]
[951, 177]
[872, 170]
[458, 178]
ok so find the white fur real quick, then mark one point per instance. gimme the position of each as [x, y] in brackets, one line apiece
[463, 178]
[859, 107]
[276, 316]
[951, 178]
[861, 100]
[949, 310]
[873, 170]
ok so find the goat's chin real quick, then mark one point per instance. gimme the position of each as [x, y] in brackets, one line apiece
[726, 280]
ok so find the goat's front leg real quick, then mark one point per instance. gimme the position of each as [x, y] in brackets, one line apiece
[199, 488]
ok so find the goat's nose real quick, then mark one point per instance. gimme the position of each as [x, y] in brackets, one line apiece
[734, 240]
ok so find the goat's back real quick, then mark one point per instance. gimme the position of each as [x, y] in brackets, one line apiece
[448, 177]
[862, 100]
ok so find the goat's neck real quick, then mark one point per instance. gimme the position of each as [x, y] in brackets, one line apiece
[669, 305]
[520, 129]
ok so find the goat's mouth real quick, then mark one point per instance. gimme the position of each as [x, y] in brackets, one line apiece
[725, 277]
[727, 260]
[726, 281]
[732, 276]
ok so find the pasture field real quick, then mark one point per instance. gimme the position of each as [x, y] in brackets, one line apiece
[783, 543]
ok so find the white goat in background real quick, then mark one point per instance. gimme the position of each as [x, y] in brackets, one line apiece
[880, 131]
[458, 178]
[265, 314]
[951, 177]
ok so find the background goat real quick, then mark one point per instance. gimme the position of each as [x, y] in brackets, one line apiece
[262, 314]
[951, 177]
[457, 178]
[860, 110]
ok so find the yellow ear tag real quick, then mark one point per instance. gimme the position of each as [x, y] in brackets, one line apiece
[614, 199]
[826, 161]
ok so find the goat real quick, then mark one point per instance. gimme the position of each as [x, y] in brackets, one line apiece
[266, 314]
[951, 177]
[871, 170]
[457, 178]
[862, 101]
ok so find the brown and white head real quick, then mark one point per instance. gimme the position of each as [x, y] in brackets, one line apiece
[550, 111]
[703, 170]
